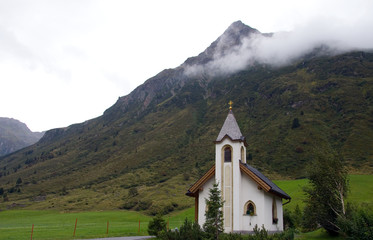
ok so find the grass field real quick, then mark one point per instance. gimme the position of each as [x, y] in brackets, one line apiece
[17, 224]
[360, 192]
[319, 234]
[54, 225]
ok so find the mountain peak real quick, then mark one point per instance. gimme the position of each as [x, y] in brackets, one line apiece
[173, 79]
[239, 27]
[15, 135]
[231, 37]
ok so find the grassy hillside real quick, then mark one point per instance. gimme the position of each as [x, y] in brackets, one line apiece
[160, 149]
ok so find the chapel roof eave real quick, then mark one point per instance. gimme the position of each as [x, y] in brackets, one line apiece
[284, 196]
[262, 181]
[241, 139]
[193, 190]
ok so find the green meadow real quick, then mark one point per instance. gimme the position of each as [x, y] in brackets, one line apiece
[360, 191]
[17, 224]
[319, 234]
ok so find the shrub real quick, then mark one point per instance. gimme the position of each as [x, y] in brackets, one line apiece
[129, 204]
[297, 216]
[295, 123]
[19, 181]
[357, 225]
[299, 150]
[186, 176]
[262, 234]
[154, 210]
[64, 191]
[259, 234]
[168, 209]
[288, 219]
[133, 192]
[231, 236]
[12, 190]
[143, 205]
[156, 226]
[189, 230]
[309, 222]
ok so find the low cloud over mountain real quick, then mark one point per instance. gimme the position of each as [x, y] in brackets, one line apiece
[241, 46]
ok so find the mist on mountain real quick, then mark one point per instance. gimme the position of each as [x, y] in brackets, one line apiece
[241, 46]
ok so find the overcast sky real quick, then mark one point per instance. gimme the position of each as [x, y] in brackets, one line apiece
[67, 61]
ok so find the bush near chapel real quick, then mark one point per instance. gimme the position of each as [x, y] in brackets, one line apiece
[156, 226]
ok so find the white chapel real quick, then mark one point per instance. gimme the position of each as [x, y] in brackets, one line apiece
[249, 197]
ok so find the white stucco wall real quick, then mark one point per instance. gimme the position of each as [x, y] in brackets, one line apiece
[250, 192]
[263, 203]
[204, 194]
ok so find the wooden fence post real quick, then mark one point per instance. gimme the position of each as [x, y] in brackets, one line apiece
[76, 221]
[32, 230]
[139, 226]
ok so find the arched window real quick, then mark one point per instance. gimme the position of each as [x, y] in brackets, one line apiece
[274, 211]
[250, 208]
[227, 154]
[243, 159]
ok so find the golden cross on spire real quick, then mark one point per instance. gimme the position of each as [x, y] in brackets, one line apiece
[230, 105]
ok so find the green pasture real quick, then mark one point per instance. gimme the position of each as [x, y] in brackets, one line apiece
[319, 234]
[360, 192]
[17, 224]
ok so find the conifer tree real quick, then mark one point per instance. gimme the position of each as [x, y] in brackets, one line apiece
[214, 215]
[156, 225]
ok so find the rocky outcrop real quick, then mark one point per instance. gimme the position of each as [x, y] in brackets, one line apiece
[15, 135]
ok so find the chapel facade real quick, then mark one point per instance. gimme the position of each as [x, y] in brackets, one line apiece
[249, 197]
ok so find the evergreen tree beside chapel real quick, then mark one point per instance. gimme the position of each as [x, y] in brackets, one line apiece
[214, 215]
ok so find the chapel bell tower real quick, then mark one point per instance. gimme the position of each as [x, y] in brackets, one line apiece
[230, 150]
